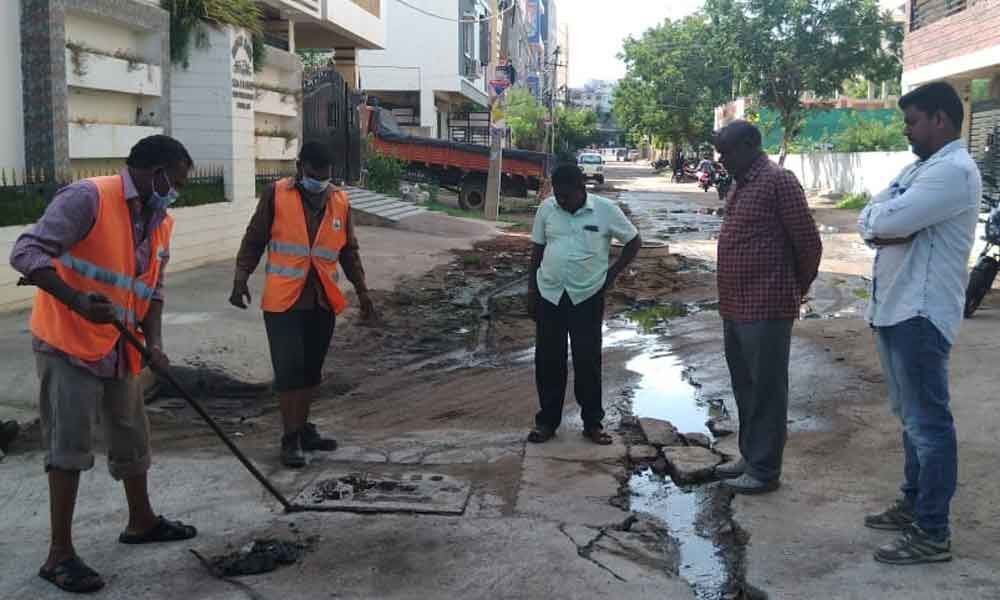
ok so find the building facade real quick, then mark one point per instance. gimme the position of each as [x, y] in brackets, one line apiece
[433, 63]
[959, 41]
[87, 79]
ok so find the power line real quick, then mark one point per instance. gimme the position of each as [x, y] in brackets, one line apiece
[428, 13]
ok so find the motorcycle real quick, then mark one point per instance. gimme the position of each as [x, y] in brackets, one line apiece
[704, 180]
[723, 181]
[988, 264]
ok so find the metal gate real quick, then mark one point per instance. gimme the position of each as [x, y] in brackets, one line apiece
[984, 137]
[329, 116]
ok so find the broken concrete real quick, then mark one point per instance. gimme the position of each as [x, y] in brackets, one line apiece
[660, 433]
[640, 453]
[698, 439]
[691, 464]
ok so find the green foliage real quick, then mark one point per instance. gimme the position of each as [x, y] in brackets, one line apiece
[871, 135]
[855, 88]
[980, 90]
[384, 173]
[526, 119]
[674, 79]
[188, 19]
[313, 59]
[782, 48]
[854, 201]
[576, 128]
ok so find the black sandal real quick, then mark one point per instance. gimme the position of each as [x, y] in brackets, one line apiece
[164, 531]
[540, 435]
[598, 436]
[72, 575]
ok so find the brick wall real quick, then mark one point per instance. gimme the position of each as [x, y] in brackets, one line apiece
[975, 28]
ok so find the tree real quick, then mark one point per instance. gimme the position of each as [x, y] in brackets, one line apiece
[526, 119]
[871, 135]
[780, 49]
[674, 79]
[576, 128]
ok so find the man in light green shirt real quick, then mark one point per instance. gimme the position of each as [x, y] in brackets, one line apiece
[569, 274]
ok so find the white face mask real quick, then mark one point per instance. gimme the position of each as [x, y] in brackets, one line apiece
[163, 201]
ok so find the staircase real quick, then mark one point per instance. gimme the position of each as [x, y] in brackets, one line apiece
[371, 208]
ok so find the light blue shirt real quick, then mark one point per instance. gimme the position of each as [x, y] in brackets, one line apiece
[937, 202]
[577, 246]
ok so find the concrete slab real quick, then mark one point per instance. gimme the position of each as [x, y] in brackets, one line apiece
[691, 464]
[570, 445]
[660, 433]
[569, 491]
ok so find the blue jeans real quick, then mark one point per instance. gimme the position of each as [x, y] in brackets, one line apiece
[914, 357]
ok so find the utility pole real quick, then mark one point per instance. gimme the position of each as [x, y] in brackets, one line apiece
[553, 90]
[493, 180]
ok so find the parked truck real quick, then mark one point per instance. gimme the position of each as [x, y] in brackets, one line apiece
[454, 165]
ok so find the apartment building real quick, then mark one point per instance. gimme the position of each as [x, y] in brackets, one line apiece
[959, 41]
[89, 78]
[433, 63]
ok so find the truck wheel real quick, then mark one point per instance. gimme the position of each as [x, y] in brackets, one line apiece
[473, 195]
[600, 179]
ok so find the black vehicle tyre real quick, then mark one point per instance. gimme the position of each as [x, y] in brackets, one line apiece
[600, 179]
[980, 282]
[473, 194]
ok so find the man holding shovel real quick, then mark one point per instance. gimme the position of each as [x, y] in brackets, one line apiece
[98, 255]
[304, 224]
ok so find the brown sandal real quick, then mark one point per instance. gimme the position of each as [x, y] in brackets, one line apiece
[598, 436]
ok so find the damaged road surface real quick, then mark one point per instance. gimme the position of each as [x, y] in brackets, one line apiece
[433, 492]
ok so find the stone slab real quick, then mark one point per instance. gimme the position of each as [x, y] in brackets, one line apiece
[660, 433]
[691, 464]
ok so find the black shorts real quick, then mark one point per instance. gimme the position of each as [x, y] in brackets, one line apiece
[299, 341]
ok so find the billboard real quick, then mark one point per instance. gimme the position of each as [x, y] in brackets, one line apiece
[533, 84]
[533, 21]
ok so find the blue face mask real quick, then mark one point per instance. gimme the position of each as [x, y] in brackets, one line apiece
[314, 186]
[163, 201]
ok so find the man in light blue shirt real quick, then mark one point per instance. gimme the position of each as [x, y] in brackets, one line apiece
[569, 274]
[923, 227]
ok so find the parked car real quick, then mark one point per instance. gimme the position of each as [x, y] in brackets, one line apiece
[633, 155]
[592, 166]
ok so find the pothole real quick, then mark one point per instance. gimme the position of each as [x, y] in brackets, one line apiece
[370, 492]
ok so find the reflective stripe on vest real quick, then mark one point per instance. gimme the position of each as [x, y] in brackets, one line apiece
[292, 254]
[92, 271]
[103, 262]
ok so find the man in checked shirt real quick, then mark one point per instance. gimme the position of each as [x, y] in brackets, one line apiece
[769, 253]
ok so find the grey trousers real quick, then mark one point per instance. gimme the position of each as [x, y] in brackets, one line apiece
[757, 354]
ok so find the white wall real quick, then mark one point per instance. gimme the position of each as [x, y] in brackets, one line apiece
[202, 234]
[205, 116]
[358, 21]
[415, 40]
[11, 113]
[847, 173]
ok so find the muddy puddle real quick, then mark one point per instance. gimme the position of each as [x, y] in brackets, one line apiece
[257, 557]
[662, 220]
[689, 514]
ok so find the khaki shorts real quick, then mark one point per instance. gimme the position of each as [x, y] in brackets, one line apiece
[72, 401]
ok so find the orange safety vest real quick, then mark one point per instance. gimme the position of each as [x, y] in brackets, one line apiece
[290, 255]
[103, 262]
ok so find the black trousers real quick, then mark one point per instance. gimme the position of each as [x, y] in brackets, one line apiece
[757, 353]
[582, 324]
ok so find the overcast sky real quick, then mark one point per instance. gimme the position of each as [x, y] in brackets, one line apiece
[597, 28]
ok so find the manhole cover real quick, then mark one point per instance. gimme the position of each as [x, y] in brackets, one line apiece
[427, 493]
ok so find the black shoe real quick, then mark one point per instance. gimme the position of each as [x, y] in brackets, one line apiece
[8, 433]
[312, 441]
[292, 455]
[897, 517]
[915, 547]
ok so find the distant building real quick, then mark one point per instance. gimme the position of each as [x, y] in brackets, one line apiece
[430, 67]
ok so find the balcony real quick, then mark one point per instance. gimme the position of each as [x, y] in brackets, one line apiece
[329, 24]
[105, 140]
[925, 12]
[87, 69]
